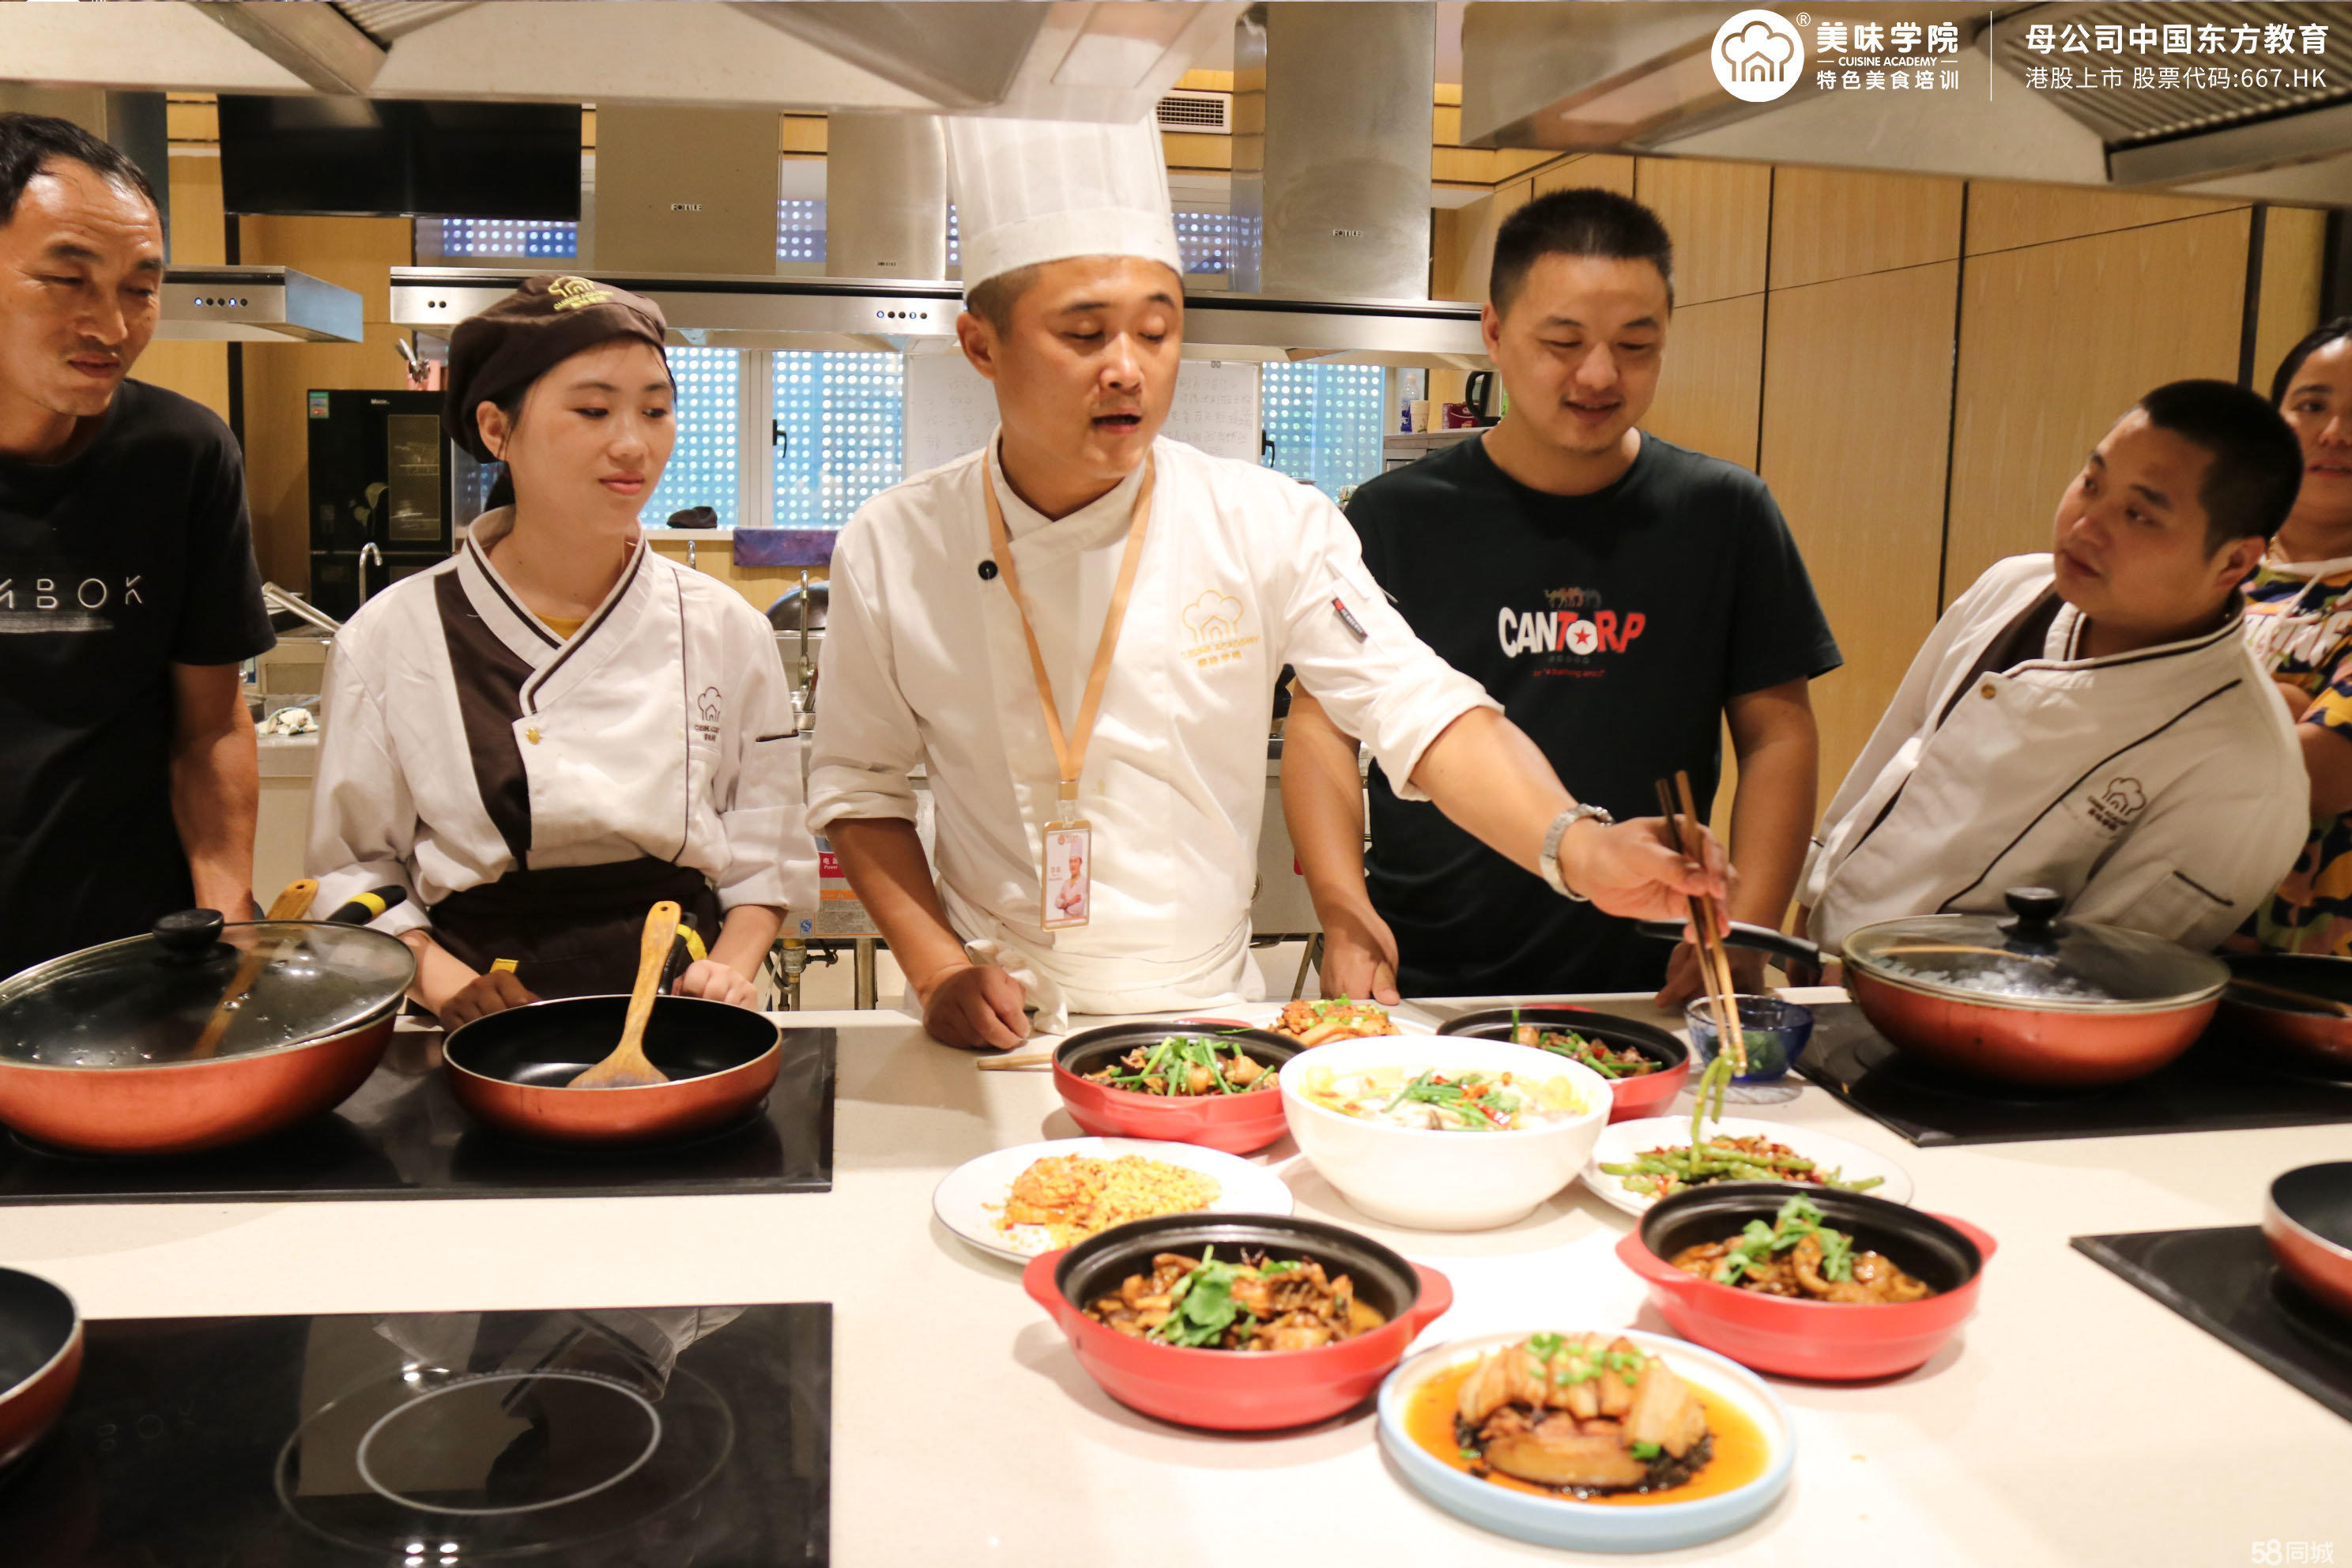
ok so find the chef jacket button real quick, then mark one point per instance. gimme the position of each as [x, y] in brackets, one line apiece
[1987, 689]
[988, 570]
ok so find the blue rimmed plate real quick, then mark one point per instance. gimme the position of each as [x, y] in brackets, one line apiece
[1592, 1526]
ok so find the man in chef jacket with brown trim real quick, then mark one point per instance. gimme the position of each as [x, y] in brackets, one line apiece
[1075, 633]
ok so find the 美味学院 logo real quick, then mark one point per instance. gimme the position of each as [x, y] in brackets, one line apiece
[1758, 55]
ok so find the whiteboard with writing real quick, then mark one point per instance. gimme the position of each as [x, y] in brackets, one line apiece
[949, 410]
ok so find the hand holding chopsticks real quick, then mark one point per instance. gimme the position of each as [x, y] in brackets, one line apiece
[1708, 924]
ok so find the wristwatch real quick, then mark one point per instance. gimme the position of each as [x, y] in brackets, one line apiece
[1558, 831]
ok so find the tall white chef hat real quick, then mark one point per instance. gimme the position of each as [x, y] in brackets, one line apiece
[1041, 190]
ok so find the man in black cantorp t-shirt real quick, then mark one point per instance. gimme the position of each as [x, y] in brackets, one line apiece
[1623, 597]
[128, 595]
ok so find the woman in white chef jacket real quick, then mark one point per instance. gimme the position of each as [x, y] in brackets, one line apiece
[544, 735]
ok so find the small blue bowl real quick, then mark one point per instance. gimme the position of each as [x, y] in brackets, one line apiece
[1776, 1032]
[1591, 1526]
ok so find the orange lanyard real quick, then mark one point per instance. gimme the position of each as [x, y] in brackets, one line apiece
[1070, 751]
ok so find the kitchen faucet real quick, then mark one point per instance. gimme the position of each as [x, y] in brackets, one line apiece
[368, 553]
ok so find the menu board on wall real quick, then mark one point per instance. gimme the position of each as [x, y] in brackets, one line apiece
[949, 410]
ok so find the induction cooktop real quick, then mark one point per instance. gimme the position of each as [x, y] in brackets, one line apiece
[2213, 1087]
[592, 1438]
[2225, 1281]
[403, 1135]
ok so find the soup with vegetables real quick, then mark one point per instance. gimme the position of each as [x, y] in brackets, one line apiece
[1436, 1100]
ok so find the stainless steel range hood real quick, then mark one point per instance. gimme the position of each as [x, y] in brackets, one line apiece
[257, 305]
[887, 315]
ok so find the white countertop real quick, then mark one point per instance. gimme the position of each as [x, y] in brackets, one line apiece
[2076, 1422]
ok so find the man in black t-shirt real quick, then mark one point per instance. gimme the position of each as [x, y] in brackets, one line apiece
[1623, 597]
[128, 595]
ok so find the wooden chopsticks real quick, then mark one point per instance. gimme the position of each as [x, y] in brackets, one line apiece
[1680, 808]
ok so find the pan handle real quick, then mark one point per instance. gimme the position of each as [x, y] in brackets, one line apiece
[366, 906]
[1801, 959]
[684, 949]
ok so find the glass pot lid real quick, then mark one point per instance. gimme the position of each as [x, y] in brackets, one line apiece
[152, 1000]
[2033, 959]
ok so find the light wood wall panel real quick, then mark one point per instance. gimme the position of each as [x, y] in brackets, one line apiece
[2288, 306]
[1452, 234]
[358, 254]
[1609, 171]
[2057, 341]
[1709, 387]
[2004, 214]
[1719, 216]
[1857, 420]
[1834, 223]
[198, 370]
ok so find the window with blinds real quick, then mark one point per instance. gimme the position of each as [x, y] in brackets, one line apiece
[703, 459]
[836, 434]
[1325, 421]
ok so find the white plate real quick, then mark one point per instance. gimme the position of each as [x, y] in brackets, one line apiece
[969, 1200]
[1623, 1141]
[1262, 1014]
[1594, 1526]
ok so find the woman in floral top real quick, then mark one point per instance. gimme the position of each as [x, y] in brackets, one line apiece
[2299, 625]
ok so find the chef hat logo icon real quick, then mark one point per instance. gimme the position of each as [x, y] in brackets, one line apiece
[1758, 55]
[2124, 796]
[1212, 616]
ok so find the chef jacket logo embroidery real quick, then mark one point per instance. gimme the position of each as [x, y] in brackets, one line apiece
[707, 705]
[1570, 633]
[1215, 619]
[2115, 807]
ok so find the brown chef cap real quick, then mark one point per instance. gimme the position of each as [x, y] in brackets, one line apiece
[499, 354]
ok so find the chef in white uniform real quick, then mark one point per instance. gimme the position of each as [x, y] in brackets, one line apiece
[2090, 720]
[1077, 630]
[557, 727]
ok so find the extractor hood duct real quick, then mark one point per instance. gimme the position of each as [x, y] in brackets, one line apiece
[1331, 116]
[886, 213]
[257, 305]
[893, 316]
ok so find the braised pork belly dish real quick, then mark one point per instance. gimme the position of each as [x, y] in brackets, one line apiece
[1252, 1304]
[1583, 1414]
[1800, 1256]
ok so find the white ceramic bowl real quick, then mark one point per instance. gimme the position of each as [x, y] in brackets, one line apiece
[1442, 1181]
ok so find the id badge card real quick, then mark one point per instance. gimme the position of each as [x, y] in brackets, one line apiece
[1069, 874]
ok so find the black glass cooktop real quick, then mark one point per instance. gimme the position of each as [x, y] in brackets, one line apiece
[404, 1136]
[2215, 1087]
[590, 1438]
[2225, 1281]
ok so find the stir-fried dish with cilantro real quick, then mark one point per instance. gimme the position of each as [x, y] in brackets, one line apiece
[1318, 1023]
[1253, 1303]
[1797, 1255]
[1609, 1061]
[1186, 1065]
[1436, 1101]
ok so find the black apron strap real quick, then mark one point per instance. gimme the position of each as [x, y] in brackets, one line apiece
[574, 931]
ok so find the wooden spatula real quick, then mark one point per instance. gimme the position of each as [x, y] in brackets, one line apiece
[626, 1067]
[291, 904]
